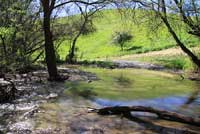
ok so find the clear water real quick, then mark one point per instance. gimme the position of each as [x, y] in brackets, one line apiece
[69, 112]
[118, 88]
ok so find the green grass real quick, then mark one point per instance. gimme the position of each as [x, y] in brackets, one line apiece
[174, 62]
[128, 84]
[99, 44]
[177, 62]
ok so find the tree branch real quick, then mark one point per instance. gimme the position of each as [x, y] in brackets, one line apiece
[80, 1]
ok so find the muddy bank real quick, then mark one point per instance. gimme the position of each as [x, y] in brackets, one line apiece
[122, 64]
[136, 64]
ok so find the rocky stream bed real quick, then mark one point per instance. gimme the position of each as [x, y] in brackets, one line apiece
[42, 107]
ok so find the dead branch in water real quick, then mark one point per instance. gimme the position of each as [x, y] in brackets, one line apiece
[162, 114]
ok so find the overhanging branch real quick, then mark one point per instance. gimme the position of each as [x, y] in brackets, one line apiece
[81, 1]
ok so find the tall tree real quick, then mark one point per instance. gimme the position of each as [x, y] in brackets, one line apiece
[48, 8]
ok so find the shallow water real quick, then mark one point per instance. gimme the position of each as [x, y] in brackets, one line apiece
[116, 88]
[172, 103]
[131, 84]
[69, 112]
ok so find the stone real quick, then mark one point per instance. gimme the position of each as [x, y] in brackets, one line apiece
[7, 91]
[52, 96]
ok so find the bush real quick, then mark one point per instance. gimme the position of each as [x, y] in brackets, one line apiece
[121, 37]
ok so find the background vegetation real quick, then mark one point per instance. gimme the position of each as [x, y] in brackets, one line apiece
[99, 44]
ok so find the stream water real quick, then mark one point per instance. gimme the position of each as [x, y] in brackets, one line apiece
[68, 113]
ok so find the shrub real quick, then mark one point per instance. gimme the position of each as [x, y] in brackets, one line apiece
[121, 37]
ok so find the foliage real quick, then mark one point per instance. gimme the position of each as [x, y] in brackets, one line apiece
[19, 32]
[73, 26]
[121, 37]
[189, 19]
[5, 32]
[172, 62]
[98, 44]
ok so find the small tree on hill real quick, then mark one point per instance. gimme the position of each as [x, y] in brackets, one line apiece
[121, 38]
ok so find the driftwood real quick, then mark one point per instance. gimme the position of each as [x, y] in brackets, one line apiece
[126, 111]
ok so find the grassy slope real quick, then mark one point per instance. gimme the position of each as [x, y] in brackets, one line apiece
[99, 44]
[170, 58]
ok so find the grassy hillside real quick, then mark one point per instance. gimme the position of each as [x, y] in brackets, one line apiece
[99, 44]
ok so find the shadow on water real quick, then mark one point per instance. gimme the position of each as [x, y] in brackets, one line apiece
[123, 81]
[158, 128]
[194, 95]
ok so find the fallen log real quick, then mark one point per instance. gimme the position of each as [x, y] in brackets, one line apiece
[162, 114]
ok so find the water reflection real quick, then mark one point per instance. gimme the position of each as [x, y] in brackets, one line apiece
[194, 95]
[172, 103]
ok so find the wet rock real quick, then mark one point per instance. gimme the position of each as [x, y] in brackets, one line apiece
[17, 107]
[24, 127]
[52, 96]
[48, 131]
[30, 113]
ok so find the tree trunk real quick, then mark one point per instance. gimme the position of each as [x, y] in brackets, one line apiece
[49, 46]
[6, 60]
[70, 57]
[163, 16]
[193, 57]
[4, 47]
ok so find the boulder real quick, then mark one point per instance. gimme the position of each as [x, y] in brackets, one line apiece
[7, 91]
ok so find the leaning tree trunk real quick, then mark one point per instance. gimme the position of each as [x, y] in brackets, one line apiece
[164, 18]
[193, 57]
[49, 47]
[70, 57]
